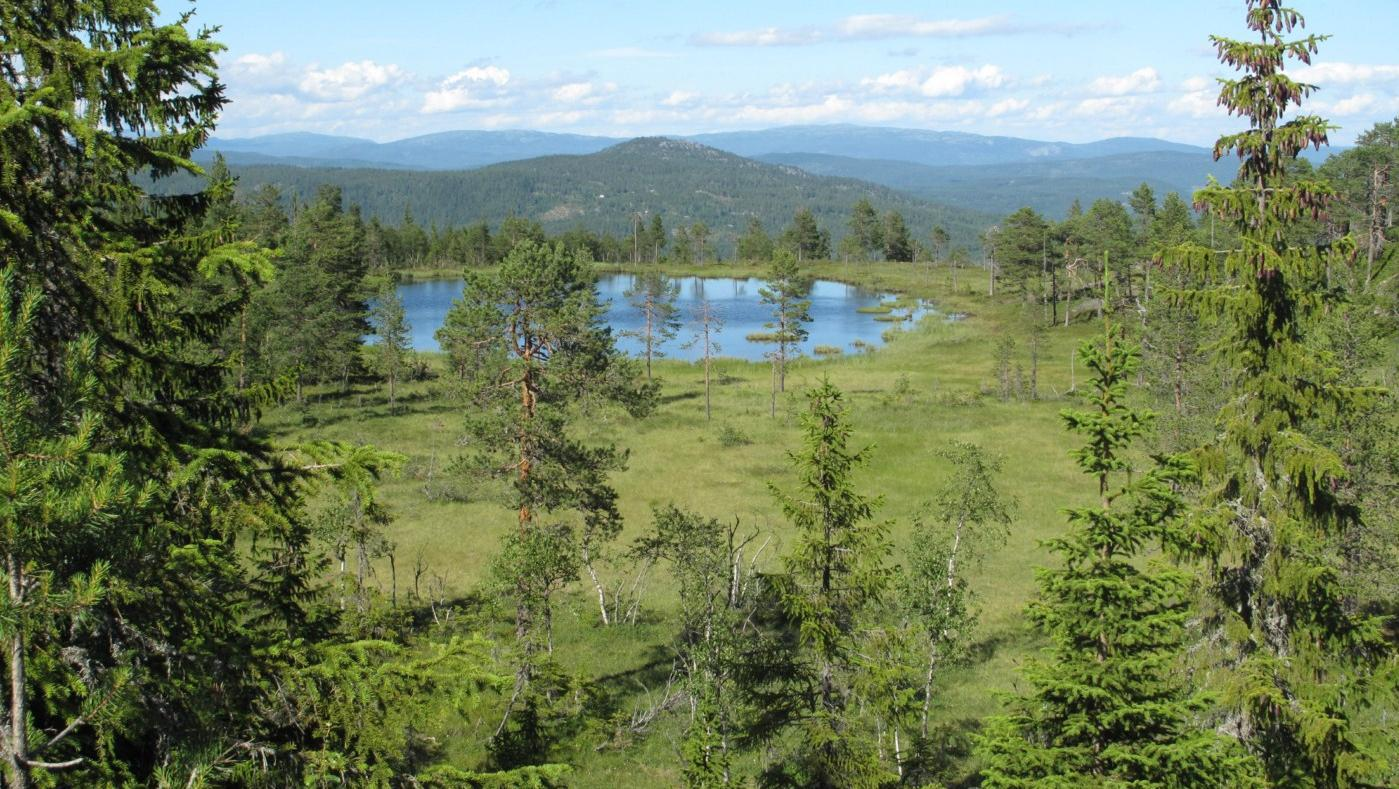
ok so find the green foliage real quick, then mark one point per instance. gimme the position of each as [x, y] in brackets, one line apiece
[754, 244]
[1271, 519]
[682, 182]
[653, 294]
[833, 575]
[866, 235]
[804, 238]
[898, 244]
[1109, 707]
[784, 291]
[389, 357]
[531, 349]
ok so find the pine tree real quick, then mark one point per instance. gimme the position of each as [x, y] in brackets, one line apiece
[805, 238]
[1271, 518]
[784, 291]
[390, 354]
[533, 349]
[898, 244]
[866, 235]
[1108, 708]
[653, 294]
[708, 324]
[755, 243]
[835, 572]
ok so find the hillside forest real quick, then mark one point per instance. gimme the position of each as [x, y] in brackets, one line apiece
[1121, 511]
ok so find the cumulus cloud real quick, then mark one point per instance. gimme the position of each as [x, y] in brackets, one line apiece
[942, 81]
[1143, 80]
[573, 91]
[1335, 73]
[679, 97]
[256, 65]
[471, 88]
[1199, 99]
[873, 27]
[1006, 107]
[348, 81]
[1107, 107]
[1355, 105]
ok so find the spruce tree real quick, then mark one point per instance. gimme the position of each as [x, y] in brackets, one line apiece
[191, 532]
[1297, 657]
[1107, 709]
[834, 574]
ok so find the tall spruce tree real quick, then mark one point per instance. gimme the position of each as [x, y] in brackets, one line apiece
[1108, 708]
[835, 573]
[190, 533]
[1298, 657]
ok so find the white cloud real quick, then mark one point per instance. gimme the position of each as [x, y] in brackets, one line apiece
[1107, 107]
[464, 89]
[255, 65]
[1196, 104]
[349, 81]
[679, 97]
[1355, 105]
[871, 27]
[762, 37]
[1345, 73]
[1006, 106]
[943, 81]
[573, 91]
[1143, 80]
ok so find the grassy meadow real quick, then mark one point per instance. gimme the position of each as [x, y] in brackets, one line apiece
[933, 383]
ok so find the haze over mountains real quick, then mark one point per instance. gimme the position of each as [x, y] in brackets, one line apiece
[964, 181]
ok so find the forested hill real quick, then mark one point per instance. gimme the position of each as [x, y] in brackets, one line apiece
[1048, 186]
[682, 181]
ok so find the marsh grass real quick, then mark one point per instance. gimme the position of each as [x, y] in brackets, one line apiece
[908, 399]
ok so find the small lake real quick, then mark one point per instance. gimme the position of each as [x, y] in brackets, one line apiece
[835, 320]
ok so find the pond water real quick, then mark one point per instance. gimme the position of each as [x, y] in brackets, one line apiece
[835, 320]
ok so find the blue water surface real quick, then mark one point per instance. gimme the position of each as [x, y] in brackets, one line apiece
[835, 321]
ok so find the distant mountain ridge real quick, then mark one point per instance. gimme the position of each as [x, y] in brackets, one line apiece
[683, 181]
[468, 149]
[1049, 187]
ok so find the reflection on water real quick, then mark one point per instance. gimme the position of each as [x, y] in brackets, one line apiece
[835, 321]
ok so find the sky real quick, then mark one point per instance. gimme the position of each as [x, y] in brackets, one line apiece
[1070, 70]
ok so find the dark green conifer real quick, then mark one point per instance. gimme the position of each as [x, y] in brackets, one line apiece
[1297, 657]
[1108, 707]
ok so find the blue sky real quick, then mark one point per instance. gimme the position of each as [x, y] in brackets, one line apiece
[1073, 70]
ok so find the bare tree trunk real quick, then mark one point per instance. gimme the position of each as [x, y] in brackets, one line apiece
[17, 750]
[708, 412]
[597, 583]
